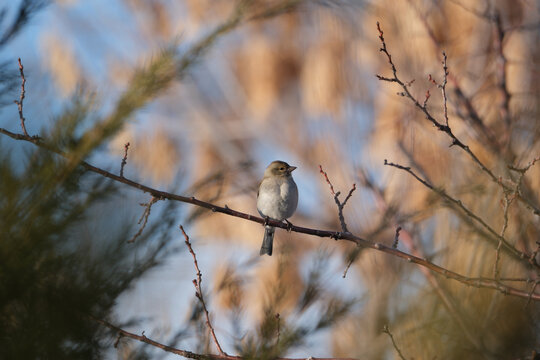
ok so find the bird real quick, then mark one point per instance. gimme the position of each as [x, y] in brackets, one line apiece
[277, 199]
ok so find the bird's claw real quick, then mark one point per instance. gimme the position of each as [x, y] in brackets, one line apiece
[289, 225]
[266, 219]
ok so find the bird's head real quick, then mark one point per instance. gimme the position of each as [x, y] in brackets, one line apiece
[279, 168]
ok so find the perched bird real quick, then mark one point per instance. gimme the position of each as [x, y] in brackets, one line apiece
[276, 199]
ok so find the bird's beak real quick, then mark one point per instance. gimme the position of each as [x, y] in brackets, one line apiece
[291, 169]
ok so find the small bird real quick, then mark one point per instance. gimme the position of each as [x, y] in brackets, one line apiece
[277, 199]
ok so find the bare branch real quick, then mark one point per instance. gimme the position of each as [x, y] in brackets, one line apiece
[386, 330]
[124, 159]
[21, 98]
[506, 206]
[143, 338]
[327, 180]
[396, 238]
[443, 127]
[199, 293]
[339, 204]
[443, 88]
[502, 70]
[144, 217]
[471, 114]
[523, 170]
[278, 319]
[359, 241]
[518, 255]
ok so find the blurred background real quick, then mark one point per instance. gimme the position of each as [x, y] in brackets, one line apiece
[208, 93]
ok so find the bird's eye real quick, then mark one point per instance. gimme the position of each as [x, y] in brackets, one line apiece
[282, 168]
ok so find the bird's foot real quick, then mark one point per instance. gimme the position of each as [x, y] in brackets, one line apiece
[266, 219]
[289, 225]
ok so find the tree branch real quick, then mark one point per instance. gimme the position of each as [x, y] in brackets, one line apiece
[187, 354]
[21, 98]
[340, 205]
[386, 330]
[440, 126]
[143, 338]
[199, 293]
[336, 235]
[518, 255]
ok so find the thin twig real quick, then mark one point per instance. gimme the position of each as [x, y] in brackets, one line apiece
[532, 292]
[188, 354]
[339, 204]
[143, 338]
[526, 168]
[144, 217]
[518, 255]
[278, 319]
[386, 330]
[443, 88]
[415, 249]
[118, 338]
[21, 98]
[352, 257]
[396, 238]
[506, 205]
[327, 180]
[124, 159]
[532, 257]
[199, 293]
[472, 115]
[503, 68]
[440, 126]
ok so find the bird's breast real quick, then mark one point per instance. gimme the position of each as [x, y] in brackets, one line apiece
[277, 199]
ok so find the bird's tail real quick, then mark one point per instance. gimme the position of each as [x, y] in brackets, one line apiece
[268, 241]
